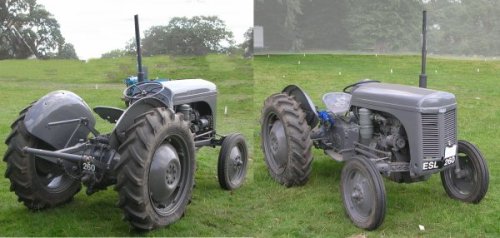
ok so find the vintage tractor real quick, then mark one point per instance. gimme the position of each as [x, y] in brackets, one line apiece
[403, 133]
[149, 156]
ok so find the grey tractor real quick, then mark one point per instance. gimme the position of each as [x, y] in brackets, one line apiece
[149, 156]
[401, 132]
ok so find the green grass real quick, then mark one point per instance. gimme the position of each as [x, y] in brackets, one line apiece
[262, 208]
[316, 209]
[213, 211]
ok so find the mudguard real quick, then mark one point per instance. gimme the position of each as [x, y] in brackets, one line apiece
[305, 102]
[126, 120]
[55, 107]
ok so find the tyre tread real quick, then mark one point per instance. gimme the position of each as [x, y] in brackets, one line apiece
[482, 166]
[18, 171]
[298, 138]
[379, 214]
[132, 166]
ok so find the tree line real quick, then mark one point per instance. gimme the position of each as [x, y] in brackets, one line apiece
[199, 35]
[28, 30]
[459, 27]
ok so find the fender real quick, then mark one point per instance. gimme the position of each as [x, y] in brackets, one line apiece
[305, 103]
[126, 120]
[58, 106]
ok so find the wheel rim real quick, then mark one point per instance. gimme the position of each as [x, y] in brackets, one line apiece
[53, 177]
[463, 182]
[168, 176]
[235, 165]
[276, 145]
[359, 195]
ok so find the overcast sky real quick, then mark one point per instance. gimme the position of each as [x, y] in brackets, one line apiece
[98, 26]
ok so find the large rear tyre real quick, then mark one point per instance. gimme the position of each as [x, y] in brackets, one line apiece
[37, 183]
[155, 174]
[232, 163]
[469, 182]
[286, 140]
[363, 193]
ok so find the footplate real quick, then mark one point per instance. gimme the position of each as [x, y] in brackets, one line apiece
[399, 166]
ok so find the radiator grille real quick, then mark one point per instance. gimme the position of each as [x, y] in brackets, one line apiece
[430, 135]
[433, 143]
[450, 122]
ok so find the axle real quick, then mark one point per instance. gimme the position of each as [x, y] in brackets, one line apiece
[61, 155]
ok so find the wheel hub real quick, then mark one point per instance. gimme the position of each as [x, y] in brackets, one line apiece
[236, 158]
[360, 194]
[235, 164]
[278, 144]
[463, 176]
[164, 174]
[357, 194]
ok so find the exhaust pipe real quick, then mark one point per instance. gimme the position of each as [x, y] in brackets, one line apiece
[140, 72]
[422, 82]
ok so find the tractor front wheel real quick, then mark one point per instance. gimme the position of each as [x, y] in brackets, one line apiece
[363, 193]
[469, 181]
[155, 174]
[286, 140]
[233, 160]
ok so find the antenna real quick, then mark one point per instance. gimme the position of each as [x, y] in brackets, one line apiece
[422, 82]
[140, 72]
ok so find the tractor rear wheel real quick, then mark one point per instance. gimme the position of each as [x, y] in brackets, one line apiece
[38, 183]
[363, 193]
[155, 174]
[286, 140]
[233, 160]
[470, 182]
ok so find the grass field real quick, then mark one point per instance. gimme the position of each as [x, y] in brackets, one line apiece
[212, 212]
[262, 208]
[316, 208]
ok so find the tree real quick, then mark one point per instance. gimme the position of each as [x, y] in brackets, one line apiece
[459, 27]
[117, 53]
[28, 29]
[322, 25]
[384, 25]
[154, 42]
[279, 19]
[293, 11]
[67, 51]
[464, 27]
[187, 36]
[247, 45]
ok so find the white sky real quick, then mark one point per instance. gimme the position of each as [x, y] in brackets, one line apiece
[98, 26]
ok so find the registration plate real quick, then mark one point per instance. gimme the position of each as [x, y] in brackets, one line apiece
[450, 151]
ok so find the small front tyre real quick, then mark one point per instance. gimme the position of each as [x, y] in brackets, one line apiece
[233, 160]
[469, 182]
[363, 193]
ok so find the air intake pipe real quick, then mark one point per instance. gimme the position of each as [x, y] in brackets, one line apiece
[365, 125]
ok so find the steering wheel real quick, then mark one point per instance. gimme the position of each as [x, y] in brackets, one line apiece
[140, 90]
[345, 90]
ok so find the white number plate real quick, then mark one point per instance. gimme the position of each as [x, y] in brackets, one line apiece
[450, 151]
[89, 167]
